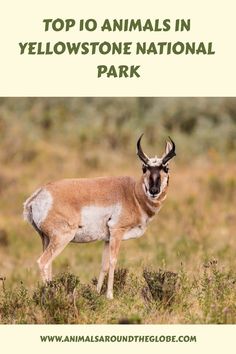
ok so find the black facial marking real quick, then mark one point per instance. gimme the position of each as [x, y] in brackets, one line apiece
[154, 180]
[165, 168]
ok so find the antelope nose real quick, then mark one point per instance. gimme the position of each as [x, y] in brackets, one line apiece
[154, 190]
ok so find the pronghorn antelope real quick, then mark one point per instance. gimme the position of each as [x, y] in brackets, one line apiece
[111, 209]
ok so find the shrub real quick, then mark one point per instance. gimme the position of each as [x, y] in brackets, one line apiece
[14, 304]
[162, 285]
[58, 299]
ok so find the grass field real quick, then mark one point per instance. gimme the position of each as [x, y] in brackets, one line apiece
[182, 270]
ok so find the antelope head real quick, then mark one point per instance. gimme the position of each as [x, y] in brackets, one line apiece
[155, 169]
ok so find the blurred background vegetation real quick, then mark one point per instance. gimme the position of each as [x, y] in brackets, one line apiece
[43, 139]
[198, 124]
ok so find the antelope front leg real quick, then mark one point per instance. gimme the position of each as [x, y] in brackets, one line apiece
[105, 266]
[114, 246]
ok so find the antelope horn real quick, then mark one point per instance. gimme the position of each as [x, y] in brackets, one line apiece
[170, 154]
[140, 152]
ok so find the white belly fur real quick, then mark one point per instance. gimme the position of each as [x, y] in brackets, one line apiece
[95, 222]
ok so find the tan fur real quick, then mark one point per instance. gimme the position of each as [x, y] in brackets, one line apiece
[63, 219]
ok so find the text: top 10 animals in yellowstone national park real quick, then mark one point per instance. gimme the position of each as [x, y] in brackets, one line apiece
[117, 47]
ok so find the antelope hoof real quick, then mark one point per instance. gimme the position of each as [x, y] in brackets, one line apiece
[110, 295]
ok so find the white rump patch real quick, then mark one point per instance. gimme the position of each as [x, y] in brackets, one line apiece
[26, 206]
[40, 206]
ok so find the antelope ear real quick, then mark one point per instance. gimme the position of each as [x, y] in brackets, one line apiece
[168, 148]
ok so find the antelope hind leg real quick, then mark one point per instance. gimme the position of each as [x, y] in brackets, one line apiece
[54, 248]
[45, 242]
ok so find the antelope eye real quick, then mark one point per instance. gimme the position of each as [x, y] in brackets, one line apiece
[144, 168]
[165, 169]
